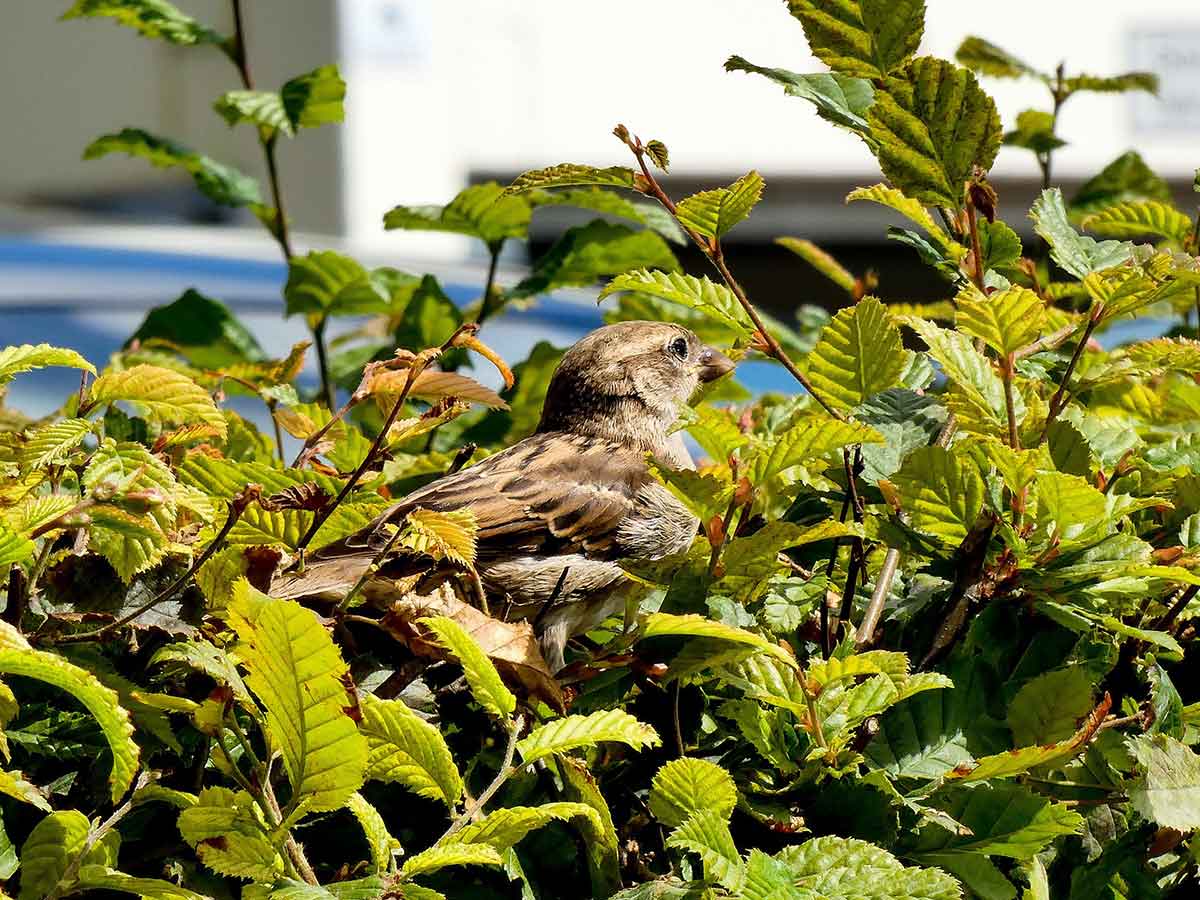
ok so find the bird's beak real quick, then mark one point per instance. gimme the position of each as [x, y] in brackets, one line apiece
[713, 364]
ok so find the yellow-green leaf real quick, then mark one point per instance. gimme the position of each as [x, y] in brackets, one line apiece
[27, 357]
[486, 687]
[859, 355]
[941, 493]
[713, 213]
[404, 748]
[686, 786]
[165, 395]
[1140, 218]
[1006, 321]
[49, 850]
[572, 732]
[443, 855]
[229, 835]
[442, 535]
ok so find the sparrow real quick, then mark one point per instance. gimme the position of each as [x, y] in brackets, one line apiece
[556, 511]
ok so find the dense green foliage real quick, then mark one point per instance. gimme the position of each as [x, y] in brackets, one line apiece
[933, 641]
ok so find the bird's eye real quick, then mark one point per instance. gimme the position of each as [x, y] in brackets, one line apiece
[679, 347]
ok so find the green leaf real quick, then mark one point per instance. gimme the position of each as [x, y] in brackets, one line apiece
[484, 211]
[1034, 131]
[381, 845]
[570, 174]
[714, 300]
[27, 357]
[220, 183]
[906, 420]
[150, 18]
[840, 99]
[18, 658]
[1004, 820]
[52, 845]
[1006, 320]
[686, 786]
[600, 200]
[589, 252]
[847, 869]
[202, 656]
[1025, 759]
[941, 492]
[932, 128]
[572, 732]
[714, 213]
[315, 98]
[859, 354]
[228, 833]
[868, 38]
[1078, 254]
[297, 673]
[1047, 708]
[261, 108]
[204, 330]
[443, 855]
[486, 687]
[370, 888]
[1168, 791]
[662, 624]
[923, 736]
[14, 548]
[404, 748]
[911, 209]
[164, 395]
[1000, 245]
[103, 878]
[706, 834]
[327, 283]
[1126, 178]
[1113, 84]
[986, 58]
[977, 395]
[807, 439]
[504, 828]
[600, 837]
[1139, 218]
[821, 261]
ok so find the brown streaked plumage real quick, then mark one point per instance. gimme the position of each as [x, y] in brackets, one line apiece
[556, 510]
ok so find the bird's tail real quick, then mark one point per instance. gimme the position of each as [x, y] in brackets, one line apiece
[328, 579]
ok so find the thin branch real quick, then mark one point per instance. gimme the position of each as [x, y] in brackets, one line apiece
[1058, 402]
[507, 770]
[1006, 374]
[883, 586]
[486, 307]
[715, 254]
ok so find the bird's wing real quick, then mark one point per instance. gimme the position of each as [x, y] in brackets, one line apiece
[548, 494]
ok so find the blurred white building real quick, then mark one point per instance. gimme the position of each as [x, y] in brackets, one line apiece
[443, 91]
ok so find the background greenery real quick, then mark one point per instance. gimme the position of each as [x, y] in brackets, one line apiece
[935, 638]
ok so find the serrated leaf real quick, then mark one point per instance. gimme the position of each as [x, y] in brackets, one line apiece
[217, 181]
[484, 211]
[600, 836]
[840, 99]
[1168, 791]
[296, 671]
[840, 868]
[261, 108]
[611, 203]
[809, 438]
[486, 687]
[404, 748]
[104, 878]
[380, 844]
[911, 209]
[570, 175]
[714, 300]
[942, 493]
[228, 833]
[167, 396]
[1124, 179]
[820, 260]
[150, 18]
[975, 384]
[18, 658]
[26, 357]
[986, 58]
[14, 785]
[573, 732]
[51, 444]
[504, 828]
[662, 624]
[589, 252]
[686, 786]
[858, 355]
[932, 128]
[1005, 320]
[314, 98]
[49, 850]
[713, 213]
[444, 855]
[14, 548]
[750, 562]
[1078, 254]
[442, 535]
[1004, 819]
[1139, 218]
[706, 834]
[868, 38]
[372, 887]
[1048, 707]
[202, 656]
[325, 282]
[1113, 84]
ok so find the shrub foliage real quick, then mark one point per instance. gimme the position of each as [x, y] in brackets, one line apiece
[931, 642]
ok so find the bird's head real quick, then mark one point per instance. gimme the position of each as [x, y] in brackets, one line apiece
[627, 382]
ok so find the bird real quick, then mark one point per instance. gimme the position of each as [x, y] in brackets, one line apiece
[557, 511]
